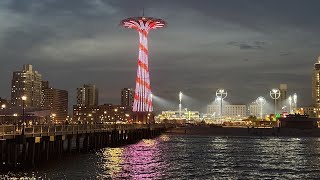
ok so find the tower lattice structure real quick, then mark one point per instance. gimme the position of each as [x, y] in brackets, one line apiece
[143, 98]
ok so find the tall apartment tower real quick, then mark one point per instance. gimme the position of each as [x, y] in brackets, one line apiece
[316, 87]
[87, 95]
[282, 101]
[26, 83]
[56, 100]
[127, 97]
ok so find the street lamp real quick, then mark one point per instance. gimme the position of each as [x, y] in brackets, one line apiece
[261, 101]
[295, 98]
[180, 105]
[115, 119]
[221, 94]
[3, 106]
[24, 98]
[275, 94]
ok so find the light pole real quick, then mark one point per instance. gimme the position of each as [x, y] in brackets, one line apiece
[24, 98]
[290, 104]
[180, 105]
[3, 106]
[275, 94]
[295, 98]
[115, 119]
[221, 94]
[261, 101]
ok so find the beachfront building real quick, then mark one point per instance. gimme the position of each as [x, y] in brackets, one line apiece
[254, 109]
[87, 95]
[174, 115]
[229, 110]
[26, 82]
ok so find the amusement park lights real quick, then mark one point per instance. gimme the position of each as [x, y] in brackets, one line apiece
[142, 98]
[221, 94]
[293, 102]
[275, 94]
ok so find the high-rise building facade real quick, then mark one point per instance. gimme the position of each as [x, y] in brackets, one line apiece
[127, 97]
[316, 87]
[57, 101]
[87, 95]
[26, 83]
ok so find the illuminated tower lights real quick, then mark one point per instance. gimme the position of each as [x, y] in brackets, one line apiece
[142, 98]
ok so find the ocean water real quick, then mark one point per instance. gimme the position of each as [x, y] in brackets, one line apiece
[190, 157]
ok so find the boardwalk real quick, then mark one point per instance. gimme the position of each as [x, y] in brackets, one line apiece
[26, 146]
[11, 131]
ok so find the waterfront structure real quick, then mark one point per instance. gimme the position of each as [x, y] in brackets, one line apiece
[55, 100]
[188, 116]
[26, 146]
[282, 101]
[229, 110]
[254, 109]
[105, 113]
[87, 95]
[142, 105]
[298, 121]
[316, 87]
[26, 82]
[127, 97]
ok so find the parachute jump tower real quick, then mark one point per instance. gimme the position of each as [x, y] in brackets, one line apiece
[142, 106]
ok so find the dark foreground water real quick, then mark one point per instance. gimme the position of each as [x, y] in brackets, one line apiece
[191, 157]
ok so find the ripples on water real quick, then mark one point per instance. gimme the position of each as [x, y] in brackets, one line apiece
[192, 157]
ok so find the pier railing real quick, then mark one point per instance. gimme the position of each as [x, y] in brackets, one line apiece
[10, 131]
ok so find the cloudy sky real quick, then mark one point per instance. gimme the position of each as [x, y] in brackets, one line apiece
[244, 46]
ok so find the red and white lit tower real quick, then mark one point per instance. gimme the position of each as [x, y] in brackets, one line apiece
[142, 105]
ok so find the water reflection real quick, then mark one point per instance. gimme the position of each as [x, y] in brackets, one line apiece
[192, 157]
[138, 161]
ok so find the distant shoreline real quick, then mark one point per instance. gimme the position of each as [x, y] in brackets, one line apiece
[243, 131]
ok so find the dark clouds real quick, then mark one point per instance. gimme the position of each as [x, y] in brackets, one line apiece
[244, 46]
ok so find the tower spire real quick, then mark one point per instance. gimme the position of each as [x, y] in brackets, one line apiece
[142, 12]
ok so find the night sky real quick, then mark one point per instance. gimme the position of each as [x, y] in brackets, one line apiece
[244, 46]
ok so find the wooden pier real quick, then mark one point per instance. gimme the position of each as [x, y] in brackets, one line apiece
[26, 146]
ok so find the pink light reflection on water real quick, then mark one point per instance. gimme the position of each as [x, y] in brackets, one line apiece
[143, 160]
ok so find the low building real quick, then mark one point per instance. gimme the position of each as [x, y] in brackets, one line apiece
[228, 110]
[105, 113]
[308, 110]
[298, 121]
[15, 115]
[174, 115]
